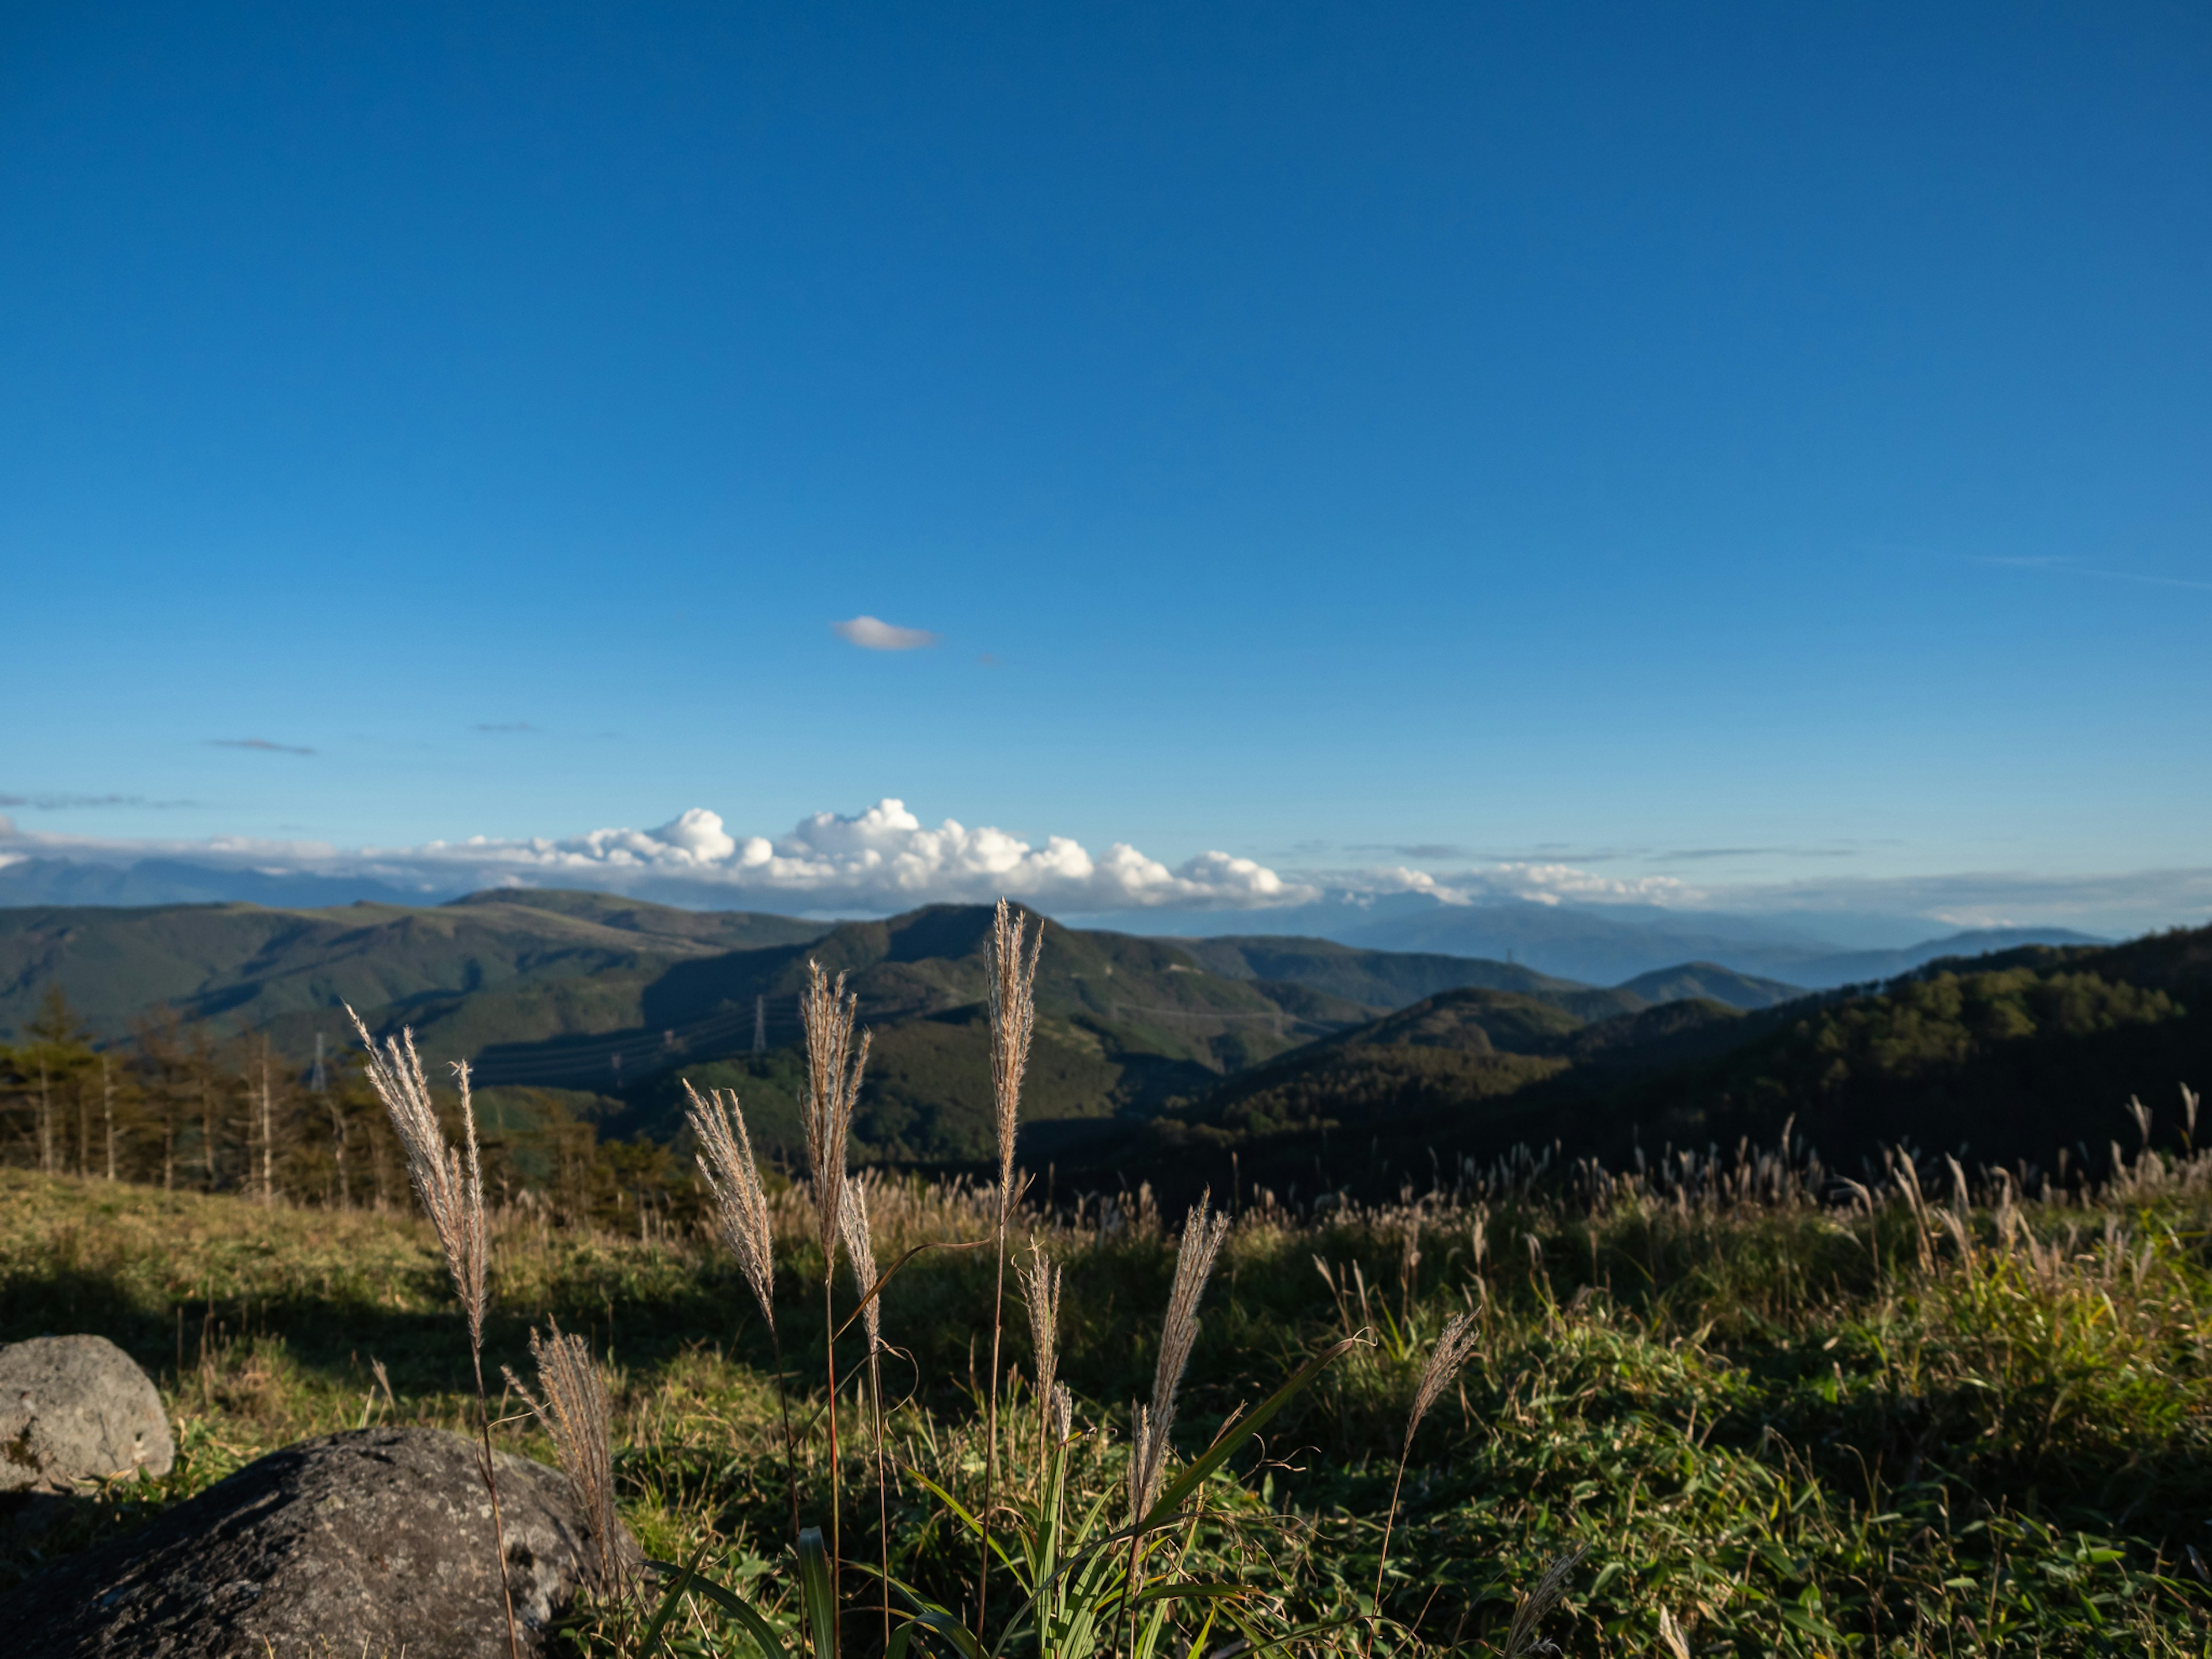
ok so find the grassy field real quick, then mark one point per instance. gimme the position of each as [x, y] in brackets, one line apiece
[1791, 1419]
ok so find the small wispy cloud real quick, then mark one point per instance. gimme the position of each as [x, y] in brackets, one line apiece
[74, 803]
[873, 633]
[261, 743]
[1698, 854]
[1418, 849]
[505, 725]
[2071, 567]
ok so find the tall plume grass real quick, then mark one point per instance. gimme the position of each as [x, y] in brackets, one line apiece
[1453, 1344]
[452, 1193]
[575, 1415]
[834, 1068]
[1012, 1005]
[861, 1249]
[1202, 1235]
[1040, 1282]
[746, 1224]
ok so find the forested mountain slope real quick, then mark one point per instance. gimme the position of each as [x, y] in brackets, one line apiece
[2007, 1059]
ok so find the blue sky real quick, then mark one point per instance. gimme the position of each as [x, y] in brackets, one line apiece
[1759, 449]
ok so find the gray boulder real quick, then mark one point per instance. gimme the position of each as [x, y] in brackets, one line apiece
[74, 1409]
[376, 1541]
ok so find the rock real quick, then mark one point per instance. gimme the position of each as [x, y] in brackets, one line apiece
[375, 1541]
[77, 1409]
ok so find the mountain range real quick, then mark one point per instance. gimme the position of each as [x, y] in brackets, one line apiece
[1226, 1058]
[1595, 944]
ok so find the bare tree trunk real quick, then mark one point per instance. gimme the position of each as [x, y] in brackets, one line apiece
[207, 1132]
[46, 1123]
[168, 1151]
[107, 1110]
[338, 1139]
[83, 1131]
[268, 1164]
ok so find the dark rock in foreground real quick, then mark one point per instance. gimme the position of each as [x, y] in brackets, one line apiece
[75, 1410]
[379, 1540]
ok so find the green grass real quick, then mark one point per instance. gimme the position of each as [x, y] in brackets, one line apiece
[1799, 1428]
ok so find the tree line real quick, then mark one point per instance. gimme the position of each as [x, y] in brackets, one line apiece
[185, 1108]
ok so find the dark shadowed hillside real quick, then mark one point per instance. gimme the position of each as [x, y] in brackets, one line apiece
[2012, 1058]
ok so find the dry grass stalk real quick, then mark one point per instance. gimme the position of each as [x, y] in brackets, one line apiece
[740, 1204]
[1453, 1344]
[1040, 1292]
[1011, 996]
[1521, 1635]
[834, 1067]
[860, 1248]
[1012, 1002]
[745, 1222]
[833, 1084]
[452, 1192]
[576, 1414]
[1063, 1413]
[1202, 1235]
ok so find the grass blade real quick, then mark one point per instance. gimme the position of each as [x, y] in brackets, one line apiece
[668, 1603]
[818, 1596]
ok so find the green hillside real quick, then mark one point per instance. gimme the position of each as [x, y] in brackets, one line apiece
[1124, 1025]
[496, 966]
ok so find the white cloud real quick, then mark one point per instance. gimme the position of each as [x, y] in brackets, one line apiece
[884, 858]
[873, 633]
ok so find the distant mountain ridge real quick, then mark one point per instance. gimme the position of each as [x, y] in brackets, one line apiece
[1597, 944]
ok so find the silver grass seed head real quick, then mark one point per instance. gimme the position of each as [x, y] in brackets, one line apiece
[1202, 1235]
[834, 1068]
[1145, 1469]
[1040, 1283]
[861, 1251]
[734, 1183]
[1063, 1413]
[1454, 1345]
[1521, 1636]
[451, 1188]
[1012, 1003]
[575, 1415]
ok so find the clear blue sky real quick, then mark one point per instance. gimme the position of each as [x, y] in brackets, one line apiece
[1627, 431]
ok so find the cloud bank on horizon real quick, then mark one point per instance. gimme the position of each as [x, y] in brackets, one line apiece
[886, 859]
